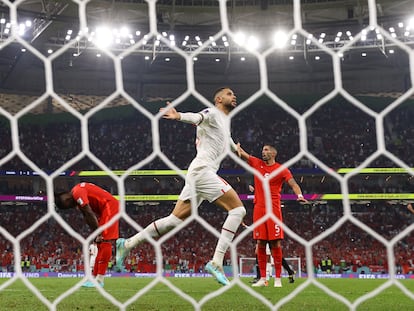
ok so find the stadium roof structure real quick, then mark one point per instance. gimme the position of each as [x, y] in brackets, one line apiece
[154, 68]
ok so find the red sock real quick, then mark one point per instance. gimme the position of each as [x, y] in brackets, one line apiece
[262, 259]
[277, 258]
[102, 259]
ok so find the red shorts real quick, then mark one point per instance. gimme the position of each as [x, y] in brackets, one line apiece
[110, 210]
[268, 230]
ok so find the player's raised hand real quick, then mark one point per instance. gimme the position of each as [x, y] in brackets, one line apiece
[170, 112]
[238, 150]
[302, 200]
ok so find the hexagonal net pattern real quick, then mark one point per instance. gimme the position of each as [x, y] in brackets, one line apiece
[191, 90]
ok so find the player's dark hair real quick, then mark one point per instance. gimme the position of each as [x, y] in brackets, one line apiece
[218, 91]
[271, 146]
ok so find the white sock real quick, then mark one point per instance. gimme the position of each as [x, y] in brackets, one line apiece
[229, 229]
[100, 278]
[268, 270]
[154, 230]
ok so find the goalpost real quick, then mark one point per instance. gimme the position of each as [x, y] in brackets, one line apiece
[247, 266]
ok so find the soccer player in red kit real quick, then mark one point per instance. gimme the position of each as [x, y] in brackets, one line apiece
[269, 231]
[98, 207]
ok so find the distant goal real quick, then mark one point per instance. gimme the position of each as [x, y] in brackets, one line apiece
[248, 269]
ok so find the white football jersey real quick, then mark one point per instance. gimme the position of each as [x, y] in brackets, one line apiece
[212, 137]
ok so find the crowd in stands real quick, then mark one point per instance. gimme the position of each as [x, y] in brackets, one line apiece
[339, 135]
[50, 247]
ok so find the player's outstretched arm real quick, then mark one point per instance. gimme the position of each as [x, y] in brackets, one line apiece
[242, 154]
[90, 217]
[170, 113]
[296, 189]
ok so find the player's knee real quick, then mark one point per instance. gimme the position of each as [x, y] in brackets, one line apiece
[238, 211]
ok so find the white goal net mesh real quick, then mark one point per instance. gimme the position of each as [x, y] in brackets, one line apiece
[189, 56]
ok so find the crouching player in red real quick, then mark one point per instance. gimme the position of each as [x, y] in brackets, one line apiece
[98, 207]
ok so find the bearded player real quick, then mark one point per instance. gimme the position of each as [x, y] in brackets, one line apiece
[269, 231]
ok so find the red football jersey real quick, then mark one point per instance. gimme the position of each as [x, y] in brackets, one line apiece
[275, 183]
[88, 193]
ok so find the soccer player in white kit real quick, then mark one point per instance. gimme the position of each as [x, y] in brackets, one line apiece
[93, 252]
[213, 136]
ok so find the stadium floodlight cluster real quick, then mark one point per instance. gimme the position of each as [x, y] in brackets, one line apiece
[118, 39]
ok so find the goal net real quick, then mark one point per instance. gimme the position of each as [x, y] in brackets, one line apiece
[335, 110]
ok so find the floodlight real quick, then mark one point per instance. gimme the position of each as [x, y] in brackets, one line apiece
[103, 37]
[22, 29]
[253, 42]
[124, 31]
[240, 38]
[411, 22]
[280, 38]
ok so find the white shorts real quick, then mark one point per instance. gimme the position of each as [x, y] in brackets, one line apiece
[206, 184]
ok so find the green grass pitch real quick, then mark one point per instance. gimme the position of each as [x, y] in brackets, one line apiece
[18, 297]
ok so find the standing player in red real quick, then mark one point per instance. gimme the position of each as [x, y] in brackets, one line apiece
[269, 231]
[98, 207]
